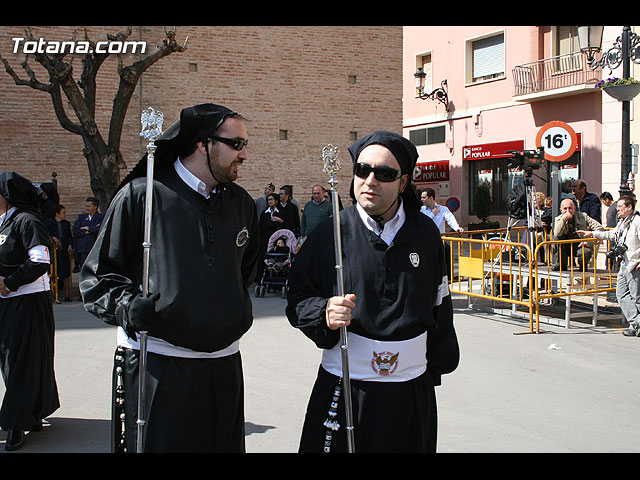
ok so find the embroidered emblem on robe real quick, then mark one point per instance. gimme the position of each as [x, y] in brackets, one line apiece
[242, 237]
[384, 363]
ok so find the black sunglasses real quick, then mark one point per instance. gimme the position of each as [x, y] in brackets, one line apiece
[382, 174]
[235, 143]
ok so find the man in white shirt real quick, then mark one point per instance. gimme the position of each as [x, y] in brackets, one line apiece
[438, 213]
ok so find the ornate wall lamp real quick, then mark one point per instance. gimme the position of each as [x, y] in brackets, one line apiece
[439, 94]
[625, 49]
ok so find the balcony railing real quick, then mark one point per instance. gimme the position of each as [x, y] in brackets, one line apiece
[552, 73]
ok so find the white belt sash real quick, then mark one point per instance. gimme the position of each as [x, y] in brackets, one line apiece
[162, 347]
[379, 361]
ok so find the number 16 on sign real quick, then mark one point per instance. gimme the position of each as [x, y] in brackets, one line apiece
[558, 140]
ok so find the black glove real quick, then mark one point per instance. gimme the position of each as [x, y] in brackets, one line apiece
[142, 313]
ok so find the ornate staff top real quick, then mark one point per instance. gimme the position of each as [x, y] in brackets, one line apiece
[331, 158]
[151, 124]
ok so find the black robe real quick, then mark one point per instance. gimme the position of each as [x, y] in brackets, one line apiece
[394, 301]
[202, 261]
[27, 327]
[62, 231]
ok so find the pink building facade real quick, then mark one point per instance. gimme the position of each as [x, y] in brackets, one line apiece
[504, 85]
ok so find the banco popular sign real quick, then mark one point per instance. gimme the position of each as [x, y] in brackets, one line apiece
[437, 171]
[491, 150]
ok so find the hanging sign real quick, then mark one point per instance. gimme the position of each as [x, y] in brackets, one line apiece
[558, 139]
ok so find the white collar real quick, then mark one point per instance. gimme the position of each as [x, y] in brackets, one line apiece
[190, 179]
[391, 227]
[7, 214]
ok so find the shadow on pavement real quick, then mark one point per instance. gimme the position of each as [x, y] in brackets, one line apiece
[66, 435]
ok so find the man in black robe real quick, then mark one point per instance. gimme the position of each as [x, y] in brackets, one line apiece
[27, 326]
[204, 237]
[397, 310]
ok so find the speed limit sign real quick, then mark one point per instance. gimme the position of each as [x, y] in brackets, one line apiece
[558, 140]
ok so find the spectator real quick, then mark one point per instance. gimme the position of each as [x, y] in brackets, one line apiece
[547, 216]
[314, 211]
[627, 234]
[86, 228]
[270, 221]
[60, 231]
[290, 212]
[438, 213]
[327, 197]
[261, 202]
[565, 227]
[588, 203]
[292, 199]
[611, 215]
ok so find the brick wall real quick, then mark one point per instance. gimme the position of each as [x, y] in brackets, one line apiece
[318, 84]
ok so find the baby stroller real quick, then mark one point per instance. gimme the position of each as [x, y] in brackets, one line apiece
[282, 247]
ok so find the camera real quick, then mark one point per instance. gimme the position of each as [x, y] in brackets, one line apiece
[527, 160]
[616, 252]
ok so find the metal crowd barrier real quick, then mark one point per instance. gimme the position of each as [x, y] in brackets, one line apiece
[500, 266]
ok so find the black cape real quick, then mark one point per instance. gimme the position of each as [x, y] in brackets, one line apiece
[394, 301]
[27, 326]
[202, 261]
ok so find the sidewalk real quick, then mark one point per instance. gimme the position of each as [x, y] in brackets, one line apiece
[565, 390]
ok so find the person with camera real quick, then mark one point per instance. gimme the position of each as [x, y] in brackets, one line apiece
[567, 226]
[625, 248]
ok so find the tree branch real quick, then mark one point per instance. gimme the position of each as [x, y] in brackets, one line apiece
[129, 77]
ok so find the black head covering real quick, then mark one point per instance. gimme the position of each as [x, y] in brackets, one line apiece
[406, 154]
[196, 123]
[19, 192]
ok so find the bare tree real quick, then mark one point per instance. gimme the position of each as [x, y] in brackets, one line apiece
[104, 159]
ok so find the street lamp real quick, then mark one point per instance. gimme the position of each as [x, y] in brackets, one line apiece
[625, 49]
[439, 94]
[590, 39]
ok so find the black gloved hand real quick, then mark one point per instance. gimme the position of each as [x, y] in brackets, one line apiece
[142, 313]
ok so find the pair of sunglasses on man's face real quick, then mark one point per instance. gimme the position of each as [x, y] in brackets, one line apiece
[235, 143]
[382, 174]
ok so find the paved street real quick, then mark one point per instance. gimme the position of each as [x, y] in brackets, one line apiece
[565, 390]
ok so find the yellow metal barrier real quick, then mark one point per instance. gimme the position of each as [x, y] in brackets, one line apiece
[572, 281]
[495, 260]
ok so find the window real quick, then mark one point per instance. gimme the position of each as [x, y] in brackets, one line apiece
[485, 58]
[493, 173]
[566, 48]
[424, 61]
[566, 40]
[428, 136]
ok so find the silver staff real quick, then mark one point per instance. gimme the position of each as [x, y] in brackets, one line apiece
[151, 129]
[331, 158]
